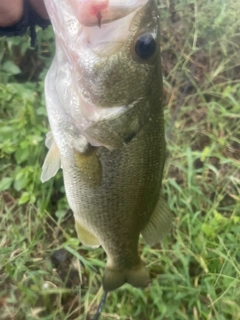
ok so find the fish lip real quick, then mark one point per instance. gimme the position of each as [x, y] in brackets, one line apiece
[113, 13]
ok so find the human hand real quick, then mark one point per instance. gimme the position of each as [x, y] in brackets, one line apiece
[11, 11]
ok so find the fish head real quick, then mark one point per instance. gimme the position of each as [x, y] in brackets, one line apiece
[107, 63]
[118, 60]
[114, 50]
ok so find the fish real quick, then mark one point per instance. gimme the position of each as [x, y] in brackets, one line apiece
[104, 103]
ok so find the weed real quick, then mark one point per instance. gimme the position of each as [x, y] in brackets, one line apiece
[44, 272]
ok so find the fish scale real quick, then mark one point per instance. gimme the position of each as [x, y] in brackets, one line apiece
[106, 117]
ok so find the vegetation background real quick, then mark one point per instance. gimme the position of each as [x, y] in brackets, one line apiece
[44, 272]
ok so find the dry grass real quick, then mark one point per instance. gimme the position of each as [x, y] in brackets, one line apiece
[45, 273]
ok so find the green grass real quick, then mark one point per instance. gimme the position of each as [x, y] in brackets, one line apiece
[44, 272]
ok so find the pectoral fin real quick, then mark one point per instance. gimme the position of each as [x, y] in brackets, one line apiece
[86, 237]
[88, 167]
[160, 223]
[52, 161]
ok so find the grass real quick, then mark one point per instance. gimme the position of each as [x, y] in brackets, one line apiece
[44, 272]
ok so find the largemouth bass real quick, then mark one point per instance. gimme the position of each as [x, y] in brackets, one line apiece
[104, 102]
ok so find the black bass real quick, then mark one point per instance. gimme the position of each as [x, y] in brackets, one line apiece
[104, 103]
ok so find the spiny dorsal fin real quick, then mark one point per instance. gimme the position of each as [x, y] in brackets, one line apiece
[159, 224]
[52, 161]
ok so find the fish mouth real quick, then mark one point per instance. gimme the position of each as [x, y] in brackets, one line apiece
[105, 24]
[98, 12]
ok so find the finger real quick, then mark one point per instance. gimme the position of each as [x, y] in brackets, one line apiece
[11, 12]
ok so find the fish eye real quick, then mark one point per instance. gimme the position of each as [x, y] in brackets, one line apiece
[145, 46]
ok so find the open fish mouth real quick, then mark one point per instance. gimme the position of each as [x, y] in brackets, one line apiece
[99, 12]
[102, 32]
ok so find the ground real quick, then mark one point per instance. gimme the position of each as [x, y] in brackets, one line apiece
[45, 273]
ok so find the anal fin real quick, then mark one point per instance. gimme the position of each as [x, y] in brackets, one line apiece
[159, 224]
[86, 237]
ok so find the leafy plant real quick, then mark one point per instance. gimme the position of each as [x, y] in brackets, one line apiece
[44, 272]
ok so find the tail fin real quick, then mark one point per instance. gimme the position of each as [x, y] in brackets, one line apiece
[138, 277]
